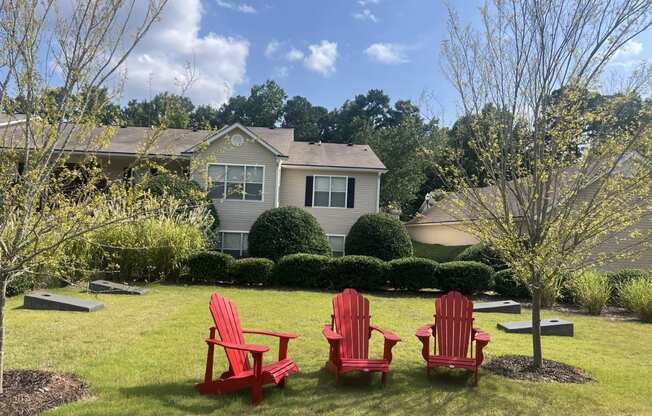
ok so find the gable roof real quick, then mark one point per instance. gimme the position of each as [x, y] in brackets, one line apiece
[183, 143]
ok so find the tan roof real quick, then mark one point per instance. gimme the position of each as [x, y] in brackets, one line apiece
[337, 155]
[182, 142]
[11, 118]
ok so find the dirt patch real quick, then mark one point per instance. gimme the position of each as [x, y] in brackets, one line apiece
[31, 392]
[520, 367]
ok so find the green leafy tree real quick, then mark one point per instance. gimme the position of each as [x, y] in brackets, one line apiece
[165, 109]
[304, 118]
[265, 104]
[546, 213]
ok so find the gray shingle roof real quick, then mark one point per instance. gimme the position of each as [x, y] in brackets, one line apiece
[336, 155]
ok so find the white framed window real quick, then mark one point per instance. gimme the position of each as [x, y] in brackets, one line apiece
[236, 182]
[330, 191]
[336, 242]
[235, 243]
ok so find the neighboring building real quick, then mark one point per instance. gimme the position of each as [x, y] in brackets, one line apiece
[248, 170]
[436, 223]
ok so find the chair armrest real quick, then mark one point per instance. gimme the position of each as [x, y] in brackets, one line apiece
[480, 336]
[424, 330]
[253, 348]
[389, 336]
[331, 335]
[287, 335]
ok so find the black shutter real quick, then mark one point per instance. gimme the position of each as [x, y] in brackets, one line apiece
[309, 180]
[350, 193]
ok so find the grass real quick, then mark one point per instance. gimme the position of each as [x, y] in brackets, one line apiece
[437, 252]
[142, 356]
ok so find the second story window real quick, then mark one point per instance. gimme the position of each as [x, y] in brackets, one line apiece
[236, 182]
[330, 191]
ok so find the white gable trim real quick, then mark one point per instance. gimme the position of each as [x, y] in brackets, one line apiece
[227, 129]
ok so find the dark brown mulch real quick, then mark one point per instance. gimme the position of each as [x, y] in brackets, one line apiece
[30, 392]
[520, 367]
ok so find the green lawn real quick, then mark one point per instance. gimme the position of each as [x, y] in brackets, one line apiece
[437, 252]
[142, 355]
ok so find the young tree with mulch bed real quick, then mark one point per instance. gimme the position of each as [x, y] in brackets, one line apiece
[552, 157]
[45, 202]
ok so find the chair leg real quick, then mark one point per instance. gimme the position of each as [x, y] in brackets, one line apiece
[337, 377]
[256, 393]
[281, 384]
[428, 371]
[475, 377]
[383, 378]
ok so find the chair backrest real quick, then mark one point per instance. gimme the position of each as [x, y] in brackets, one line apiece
[351, 319]
[227, 322]
[453, 324]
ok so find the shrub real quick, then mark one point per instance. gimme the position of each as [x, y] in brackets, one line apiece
[19, 285]
[358, 272]
[181, 188]
[152, 248]
[288, 230]
[636, 295]
[209, 266]
[412, 273]
[252, 270]
[591, 290]
[467, 277]
[506, 284]
[301, 270]
[483, 253]
[379, 235]
[623, 276]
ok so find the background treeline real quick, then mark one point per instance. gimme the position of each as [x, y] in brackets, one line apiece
[415, 149]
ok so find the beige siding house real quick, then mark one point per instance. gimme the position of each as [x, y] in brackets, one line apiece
[246, 171]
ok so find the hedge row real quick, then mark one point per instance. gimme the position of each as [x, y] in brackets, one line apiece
[360, 272]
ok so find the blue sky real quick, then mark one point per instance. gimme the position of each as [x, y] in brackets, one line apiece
[327, 51]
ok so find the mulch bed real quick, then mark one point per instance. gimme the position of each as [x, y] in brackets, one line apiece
[520, 367]
[31, 392]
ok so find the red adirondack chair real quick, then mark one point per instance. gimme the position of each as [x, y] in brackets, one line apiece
[348, 336]
[454, 334]
[241, 374]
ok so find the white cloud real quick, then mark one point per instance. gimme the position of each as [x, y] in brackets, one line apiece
[294, 55]
[281, 72]
[363, 3]
[366, 14]
[322, 57]
[160, 60]
[629, 50]
[387, 53]
[271, 48]
[242, 8]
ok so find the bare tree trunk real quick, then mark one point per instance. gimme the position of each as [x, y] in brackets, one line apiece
[537, 356]
[3, 297]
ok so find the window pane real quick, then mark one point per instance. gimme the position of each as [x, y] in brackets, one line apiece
[216, 173]
[234, 191]
[254, 192]
[217, 191]
[255, 174]
[235, 173]
[322, 183]
[321, 199]
[338, 185]
[231, 241]
[245, 244]
[337, 243]
[338, 199]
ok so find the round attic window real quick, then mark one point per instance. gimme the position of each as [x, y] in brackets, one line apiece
[237, 140]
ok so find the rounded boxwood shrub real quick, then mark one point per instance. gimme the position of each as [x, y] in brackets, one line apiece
[483, 253]
[252, 270]
[289, 230]
[466, 277]
[412, 273]
[209, 266]
[301, 270]
[506, 284]
[358, 272]
[591, 290]
[19, 285]
[379, 235]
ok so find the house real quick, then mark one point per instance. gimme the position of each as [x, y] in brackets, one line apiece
[248, 170]
[442, 222]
